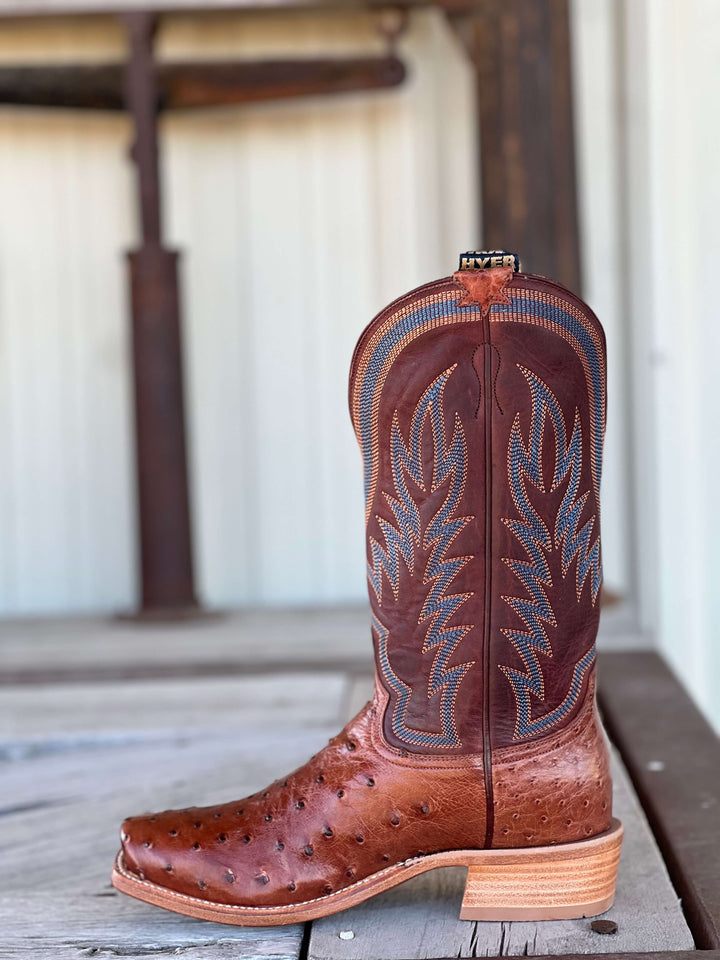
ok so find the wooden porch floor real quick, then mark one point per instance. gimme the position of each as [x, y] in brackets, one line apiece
[100, 719]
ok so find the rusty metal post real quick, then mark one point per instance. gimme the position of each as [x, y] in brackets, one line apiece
[164, 512]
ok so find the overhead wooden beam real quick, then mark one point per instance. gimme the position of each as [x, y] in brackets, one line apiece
[167, 582]
[521, 51]
[195, 85]
[54, 8]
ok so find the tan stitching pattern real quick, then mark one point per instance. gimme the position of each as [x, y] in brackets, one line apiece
[436, 296]
[524, 463]
[551, 300]
[432, 324]
[338, 894]
[450, 460]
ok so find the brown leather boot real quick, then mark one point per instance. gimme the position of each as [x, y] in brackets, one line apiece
[479, 405]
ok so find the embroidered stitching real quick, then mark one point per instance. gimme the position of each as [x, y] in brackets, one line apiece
[438, 308]
[506, 756]
[416, 315]
[337, 894]
[524, 462]
[449, 463]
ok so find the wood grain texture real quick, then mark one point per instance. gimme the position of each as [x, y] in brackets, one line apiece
[102, 922]
[420, 918]
[89, 647]
[33, 717]
[65, 794]
[553, 883]
[675, 765]
[59, 833]
[522, 56]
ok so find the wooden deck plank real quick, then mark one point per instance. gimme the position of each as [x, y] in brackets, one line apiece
[249, 641]
[59, 834]
[31, 716]
[420, 918]
[84, 758]
[104, 923]
[65, 809]
[76, 758]
[674, 761]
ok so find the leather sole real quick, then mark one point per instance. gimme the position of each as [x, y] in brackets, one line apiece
[562, 882]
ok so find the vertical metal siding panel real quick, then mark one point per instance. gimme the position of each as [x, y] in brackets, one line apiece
[337, 206]
[285, 546]
[344, 232]
[207, 219]
[41, 394]
[458, 139]
[8, 376]
[106, 407]
[65, 530]
[702, 175]
[596, 60]
[300, 220]
[397, 230]
[65, 501]
[678, 309]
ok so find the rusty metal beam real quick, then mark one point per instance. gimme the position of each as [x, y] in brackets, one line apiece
[195, 85]
[167, 582]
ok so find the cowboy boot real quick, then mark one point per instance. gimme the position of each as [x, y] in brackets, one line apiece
[479, 405]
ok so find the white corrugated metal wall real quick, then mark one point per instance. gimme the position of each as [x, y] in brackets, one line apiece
[300, 220]
[66, 510]
[651, 201]
[672, 142]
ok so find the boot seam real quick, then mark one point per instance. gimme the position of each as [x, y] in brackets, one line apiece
[487, 619]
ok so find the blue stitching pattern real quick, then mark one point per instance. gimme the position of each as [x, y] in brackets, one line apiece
[449, 462]
[525, 464]
[536, 308]
[399, 542]
[432, 311]
[443, 307]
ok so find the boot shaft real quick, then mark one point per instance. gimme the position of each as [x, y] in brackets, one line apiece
[479, 405]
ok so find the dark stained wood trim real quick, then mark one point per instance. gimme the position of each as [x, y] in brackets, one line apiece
[141, 97]
[195, 84]
[34, 9]
[660, 955]
[673, 758]
[521, 51]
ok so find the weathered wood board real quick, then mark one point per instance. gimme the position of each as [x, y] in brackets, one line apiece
[250, 640]
[59, 833]
[103, 923]
[76, 758]
[420, 918]
[43, 717]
